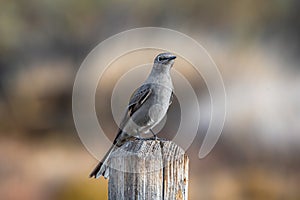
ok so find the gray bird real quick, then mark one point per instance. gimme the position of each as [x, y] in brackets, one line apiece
[147, 107]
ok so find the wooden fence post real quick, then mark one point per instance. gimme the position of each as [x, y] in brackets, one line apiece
[148, 170]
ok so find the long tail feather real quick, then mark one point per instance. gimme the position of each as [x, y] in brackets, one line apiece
[102, 169]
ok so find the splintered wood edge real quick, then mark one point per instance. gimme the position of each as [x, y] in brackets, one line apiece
[148, 148]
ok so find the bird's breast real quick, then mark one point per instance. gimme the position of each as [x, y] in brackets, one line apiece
[159, 103]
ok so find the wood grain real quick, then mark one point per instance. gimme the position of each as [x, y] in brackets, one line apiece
[148, 170]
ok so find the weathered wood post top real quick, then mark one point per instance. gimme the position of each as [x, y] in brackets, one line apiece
[148, 170]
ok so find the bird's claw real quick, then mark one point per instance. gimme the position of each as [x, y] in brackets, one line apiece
[154, 137]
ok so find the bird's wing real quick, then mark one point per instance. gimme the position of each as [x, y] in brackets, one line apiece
[139, 96]
[137, 99]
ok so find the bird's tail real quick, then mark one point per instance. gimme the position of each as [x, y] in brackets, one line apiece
[102, 169]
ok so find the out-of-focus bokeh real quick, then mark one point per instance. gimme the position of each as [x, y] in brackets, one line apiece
[256, 45]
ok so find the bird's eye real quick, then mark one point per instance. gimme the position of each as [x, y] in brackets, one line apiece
[159, 58]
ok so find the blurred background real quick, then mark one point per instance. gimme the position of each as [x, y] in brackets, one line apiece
[255, 44]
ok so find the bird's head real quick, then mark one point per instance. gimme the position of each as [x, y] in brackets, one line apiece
[164, 60]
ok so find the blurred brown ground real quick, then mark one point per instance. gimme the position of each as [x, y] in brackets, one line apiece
[254, 43]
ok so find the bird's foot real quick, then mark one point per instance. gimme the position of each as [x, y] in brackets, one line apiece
[138, 137]
[154, 135]
[162, 139]
[156, 138]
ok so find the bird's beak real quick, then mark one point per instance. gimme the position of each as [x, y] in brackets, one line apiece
[171, 58]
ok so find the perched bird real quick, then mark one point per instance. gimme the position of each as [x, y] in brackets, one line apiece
[147, 107]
